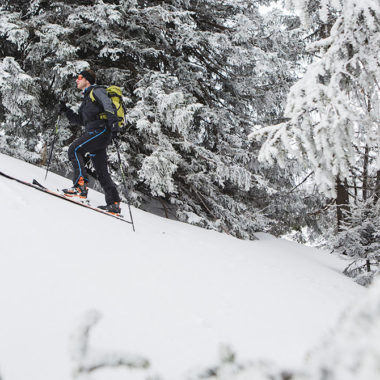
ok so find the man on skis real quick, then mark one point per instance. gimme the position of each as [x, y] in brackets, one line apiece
[97, 136]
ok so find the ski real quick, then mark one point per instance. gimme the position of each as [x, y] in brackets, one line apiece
[36, 185]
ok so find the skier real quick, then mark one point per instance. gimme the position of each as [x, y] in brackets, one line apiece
[98, 134]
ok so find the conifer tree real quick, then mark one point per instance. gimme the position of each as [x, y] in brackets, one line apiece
[360, 239]
[333, 123]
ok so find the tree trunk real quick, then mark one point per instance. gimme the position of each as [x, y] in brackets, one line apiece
[368, 265]
[377, 188]
[342, 202]
[365, 173]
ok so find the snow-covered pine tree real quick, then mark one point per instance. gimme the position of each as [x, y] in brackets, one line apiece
[360, 239]
[333, 124]
[34, 66]
[18, 97]
[196, 77]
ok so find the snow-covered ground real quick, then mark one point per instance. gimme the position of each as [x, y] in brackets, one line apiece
[170, 292]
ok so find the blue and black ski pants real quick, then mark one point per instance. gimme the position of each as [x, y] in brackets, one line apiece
[95, 142]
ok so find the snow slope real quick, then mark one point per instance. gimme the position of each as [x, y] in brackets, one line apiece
[170, 291]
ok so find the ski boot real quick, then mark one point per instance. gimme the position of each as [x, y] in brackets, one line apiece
[113, 208]
[79, 190]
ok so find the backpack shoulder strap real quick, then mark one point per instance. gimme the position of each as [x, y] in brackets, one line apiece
[92, 96]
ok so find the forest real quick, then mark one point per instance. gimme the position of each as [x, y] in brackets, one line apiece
[243, 116]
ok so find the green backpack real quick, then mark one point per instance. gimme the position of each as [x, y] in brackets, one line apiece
[116, 96]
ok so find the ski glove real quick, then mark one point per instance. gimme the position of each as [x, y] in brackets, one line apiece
[63, 107]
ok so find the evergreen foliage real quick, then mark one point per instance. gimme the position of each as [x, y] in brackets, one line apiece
[196, 77]
[332, 124]
[333, 109]
[360, 239]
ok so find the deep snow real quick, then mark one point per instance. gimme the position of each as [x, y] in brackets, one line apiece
[170, 291]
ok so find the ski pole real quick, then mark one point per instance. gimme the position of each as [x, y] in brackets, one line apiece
[124, 184]
[52, 145]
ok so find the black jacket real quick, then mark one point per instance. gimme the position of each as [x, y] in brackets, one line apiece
[88, 113]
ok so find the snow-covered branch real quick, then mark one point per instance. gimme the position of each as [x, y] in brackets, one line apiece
[86, 359]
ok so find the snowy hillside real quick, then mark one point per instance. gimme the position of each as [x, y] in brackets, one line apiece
[170, 292]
